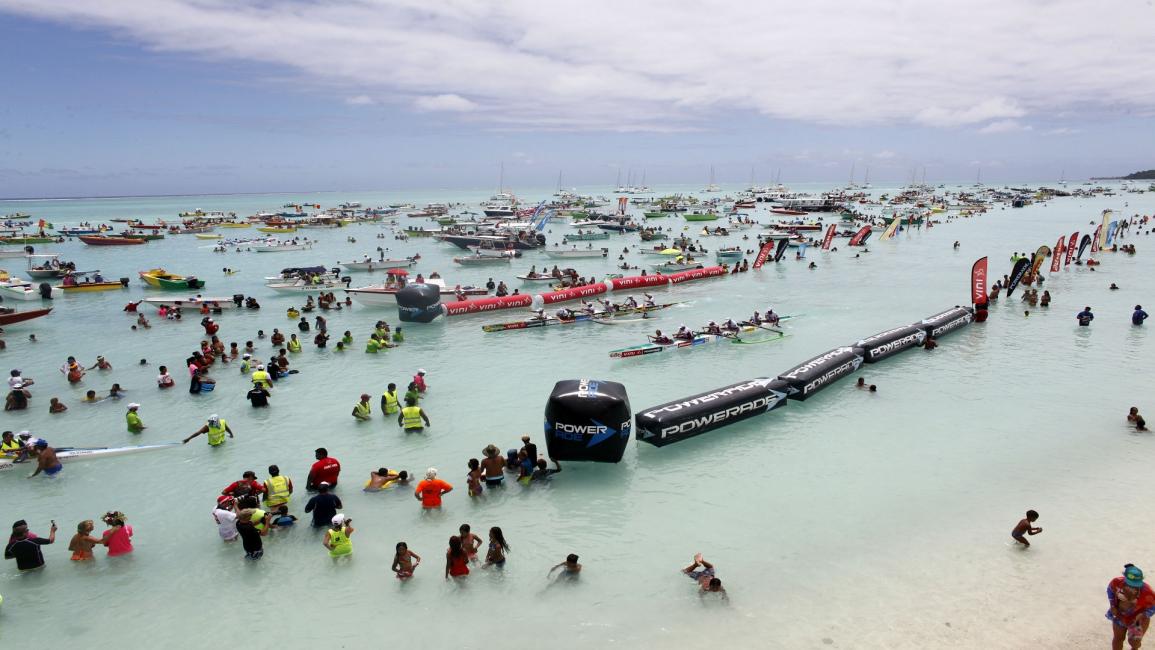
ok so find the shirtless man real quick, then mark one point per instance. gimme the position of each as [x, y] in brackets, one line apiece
[707, 583]
[492, 466]
[46, 460]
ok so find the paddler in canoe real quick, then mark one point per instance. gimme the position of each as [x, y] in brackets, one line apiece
[683, 333]
[713, 328]
[660, 339]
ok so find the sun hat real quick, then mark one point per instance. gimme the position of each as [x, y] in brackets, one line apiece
[133, 406]
[338, 519]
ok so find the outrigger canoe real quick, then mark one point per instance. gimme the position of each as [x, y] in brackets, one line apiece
[579, 317]
[699, 339]
[82, 453]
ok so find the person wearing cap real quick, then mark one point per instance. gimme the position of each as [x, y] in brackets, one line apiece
[1131, 605]
[164, 380]
[257, 395]
[46, 460]
[226, 517]
[337, 537]
[261, 376]
[430, 491]
[10, 447]
[17, 399]
[24, 547]
[419, 380]
[324, 470]
[323, 505]
[246, 363]
[412, 417]
[362, 410]
[14, 378]
[248, 484]
[132, 419]
[215, 429]
[530, 450]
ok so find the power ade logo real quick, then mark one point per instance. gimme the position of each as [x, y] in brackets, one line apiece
[951, 326]
[707, 398]
[844, 369]
[881, 336]
[817, 362]
[719, 418]
[587, 388]
[897, 345]
[596, 433]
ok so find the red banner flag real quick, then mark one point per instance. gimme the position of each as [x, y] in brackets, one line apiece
[1057, 255]
[1095, 239]
[1071, 248]
[764, 253]
[979, 282]
[829, 237]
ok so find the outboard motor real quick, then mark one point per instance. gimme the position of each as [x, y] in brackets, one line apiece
[45, 291]
[124, 282]
[238, 298]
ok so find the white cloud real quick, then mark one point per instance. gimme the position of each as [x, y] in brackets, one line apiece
[360, 100]
[447, 102]
[527, 64]
[885, 154]
[1004, 126]
[1062, 130]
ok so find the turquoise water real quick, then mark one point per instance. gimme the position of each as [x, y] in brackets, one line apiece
[852, 520]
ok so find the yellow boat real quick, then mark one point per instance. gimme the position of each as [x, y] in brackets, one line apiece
[161, 279]
[278, 229]
[207, 235]
[91, 286]
[234, 225]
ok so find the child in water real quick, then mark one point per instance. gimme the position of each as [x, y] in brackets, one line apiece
[473, 478]
[1024, 526]
[83, 542]
[403, 561]
[569, 569]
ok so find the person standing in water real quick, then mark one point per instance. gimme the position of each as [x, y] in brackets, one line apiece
[430, 491]
[46, 460]
[24, 547]
[456, 559]
[1138, 316]
[498, 549]
[362, 411]
[1024, 527]
[337, 537]
[1085, 317]
[132, 419]
[403, 561]
[390, 404]
[215, 429]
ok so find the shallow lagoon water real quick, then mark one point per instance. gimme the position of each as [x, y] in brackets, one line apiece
[848, 521]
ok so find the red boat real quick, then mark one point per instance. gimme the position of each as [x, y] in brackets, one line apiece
[8, 317]
[101, 240]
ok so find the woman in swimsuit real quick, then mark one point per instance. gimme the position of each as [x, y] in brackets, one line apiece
[456, 561]
[403, 561]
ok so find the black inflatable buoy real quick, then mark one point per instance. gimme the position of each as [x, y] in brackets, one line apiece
[588, 419]
[418, 303]
[687, 417]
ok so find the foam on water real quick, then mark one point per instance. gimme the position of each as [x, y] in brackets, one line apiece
[850, 521]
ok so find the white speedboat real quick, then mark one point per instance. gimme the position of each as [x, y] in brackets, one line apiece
[672, 267]
[383, 295]
[274, 246]
[20, 290]
[378, 265]
[578, 252]
[305, 286]
[474, 260]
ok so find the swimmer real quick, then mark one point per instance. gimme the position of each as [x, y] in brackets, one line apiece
[379, 479]
[873, 388]
[469, 542]
[46, 460]
[473, 477]
[1133, 414]
[707, 582]
[929, 344]
[1140, 424]
[861, 383]
[55, 406]
[404, 561]
[1024, 526]
[569, 569]
[492, 466]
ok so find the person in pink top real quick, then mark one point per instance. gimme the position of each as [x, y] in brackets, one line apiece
[118, 538]
[419, 379]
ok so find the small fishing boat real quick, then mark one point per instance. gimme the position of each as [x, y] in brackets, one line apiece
[378, 265]
[700, 216]
[306, 286]
[536, 277]
[146, 236]
[278, 229]
[788, 211]
[136, 225]
[21, 290]
[102, 240]
[78, 230]
[208, 235]
[655, 215]
[11, 316]
[582, 235]
[93, 283]
[162, 279]
[234, 224]
[29, 239]
[578, 253]
[279, 247]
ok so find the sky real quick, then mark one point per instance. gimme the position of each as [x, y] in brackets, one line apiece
[130, 97]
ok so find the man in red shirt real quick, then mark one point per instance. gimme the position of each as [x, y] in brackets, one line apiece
[248, 485]
[325, 469]
[430, 490]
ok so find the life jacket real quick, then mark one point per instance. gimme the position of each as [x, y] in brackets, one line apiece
[411, 418]
[10, 448]
[362, 408]
[294, 345]
[263, 378]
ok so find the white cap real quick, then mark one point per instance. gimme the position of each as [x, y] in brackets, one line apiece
[246, 356]
[421, 371]
[133, 406]
[324, 484]
[338, 519]
[214, 418]
[431, 473]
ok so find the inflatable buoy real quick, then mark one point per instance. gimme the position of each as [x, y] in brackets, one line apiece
[687, 417]
[418, 303]
[587, 419]
[946, 322]
[890, 342]
[293, 314]
[815, 374]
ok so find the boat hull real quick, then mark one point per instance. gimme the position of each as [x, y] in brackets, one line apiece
[98, 240]
[23, 316]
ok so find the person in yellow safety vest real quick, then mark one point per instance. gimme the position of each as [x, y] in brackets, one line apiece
[390, 403]
[261, 376]
[10, 447]
[278, 489]
[215, 429]
[132, 419]
[337, 537]
[361, 410]
[412, 416]
[372, 345]
[294, 343]
[246, 363]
